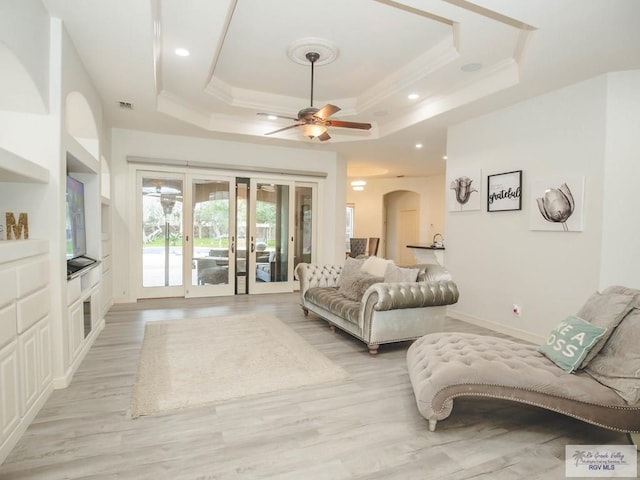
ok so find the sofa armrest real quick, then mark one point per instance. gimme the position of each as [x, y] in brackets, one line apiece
[311, 275]
[391, 296]
[432, 272]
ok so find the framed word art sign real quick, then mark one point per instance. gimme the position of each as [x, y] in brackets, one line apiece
[504, 191]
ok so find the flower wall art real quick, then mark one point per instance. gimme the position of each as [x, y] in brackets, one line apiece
[464, 190]
[557, 204]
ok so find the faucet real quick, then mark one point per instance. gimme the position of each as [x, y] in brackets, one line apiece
[436, 243]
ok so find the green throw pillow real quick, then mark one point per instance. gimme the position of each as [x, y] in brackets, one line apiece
[569, 342]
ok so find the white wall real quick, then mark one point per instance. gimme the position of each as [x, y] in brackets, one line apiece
[330, 241]
[24, 39]
[369, 205]
[620, 258]
[590, 128]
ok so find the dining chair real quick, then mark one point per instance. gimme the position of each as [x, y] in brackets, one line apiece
[357, 246]
[373, 246]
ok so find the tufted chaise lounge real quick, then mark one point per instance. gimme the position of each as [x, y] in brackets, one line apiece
[387, 312]
[444, 366]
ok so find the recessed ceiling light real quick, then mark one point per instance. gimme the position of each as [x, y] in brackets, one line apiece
[272, 117]
[471, 67]
[418, 145]
[444, 158]
[413, 96]
[182, 52]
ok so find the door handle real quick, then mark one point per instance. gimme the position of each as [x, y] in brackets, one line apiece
[233, 244]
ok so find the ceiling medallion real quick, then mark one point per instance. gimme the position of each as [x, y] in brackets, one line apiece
[298, 50]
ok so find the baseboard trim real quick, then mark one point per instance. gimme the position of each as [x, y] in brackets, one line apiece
[497, 327]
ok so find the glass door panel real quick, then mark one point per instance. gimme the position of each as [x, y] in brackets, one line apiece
[162, 199]
[212, 245]
[242, 230]
[271, 237]
[304, 227]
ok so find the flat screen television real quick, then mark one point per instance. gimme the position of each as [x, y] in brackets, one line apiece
[76, 233]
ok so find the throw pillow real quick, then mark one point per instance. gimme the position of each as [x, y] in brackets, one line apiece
[356, 286]
[604, 310]
[618, 364]
[570, 341]
[375, 266]
[394, 273]
[351, 268]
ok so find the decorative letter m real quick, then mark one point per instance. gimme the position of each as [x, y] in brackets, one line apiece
[15, 230]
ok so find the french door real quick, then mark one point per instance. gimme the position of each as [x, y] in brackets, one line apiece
[271, 236]
[187, 237]
[209, 235]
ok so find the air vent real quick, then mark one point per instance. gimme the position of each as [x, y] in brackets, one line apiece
[126, 105]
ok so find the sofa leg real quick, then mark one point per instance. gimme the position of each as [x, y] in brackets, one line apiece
[432, 425]
[332, 327]
[635, 439]
[305, 310]
[373, 349]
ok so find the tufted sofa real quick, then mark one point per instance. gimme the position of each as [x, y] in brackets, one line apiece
[605, 392]
[387, 312]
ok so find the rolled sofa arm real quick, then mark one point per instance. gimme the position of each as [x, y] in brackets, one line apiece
[433, 273]
[312, 275]
[391, 296]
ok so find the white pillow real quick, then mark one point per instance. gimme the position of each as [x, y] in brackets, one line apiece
[375, 266]
[393, 273]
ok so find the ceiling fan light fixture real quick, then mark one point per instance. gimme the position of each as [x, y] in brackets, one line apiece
[313, 130]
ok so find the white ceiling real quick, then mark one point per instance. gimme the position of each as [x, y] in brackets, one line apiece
[240, 65]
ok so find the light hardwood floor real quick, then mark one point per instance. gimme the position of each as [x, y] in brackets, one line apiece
[366, 427]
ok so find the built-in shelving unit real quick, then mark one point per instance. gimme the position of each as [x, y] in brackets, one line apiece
[17, 169]
[26, 339]
[84, 317]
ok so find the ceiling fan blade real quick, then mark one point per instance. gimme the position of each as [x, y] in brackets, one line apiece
[327, 111]
[340, 123]
[277, 116]
[324, 136]
[285, 128]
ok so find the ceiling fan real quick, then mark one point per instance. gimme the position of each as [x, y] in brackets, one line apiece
[315, 121]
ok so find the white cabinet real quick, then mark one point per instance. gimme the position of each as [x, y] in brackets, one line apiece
[26, 376]
[9, 390]
[45, 353]
[29, 360]
[83, 315]
[76, 330]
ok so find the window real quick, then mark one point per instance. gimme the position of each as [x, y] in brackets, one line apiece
[351, 210]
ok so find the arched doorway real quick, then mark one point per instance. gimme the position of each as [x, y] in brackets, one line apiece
[402, 226]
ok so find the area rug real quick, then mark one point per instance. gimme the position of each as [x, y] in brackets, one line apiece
[188, 363]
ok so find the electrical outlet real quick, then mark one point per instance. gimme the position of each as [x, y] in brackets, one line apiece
[517, 310]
